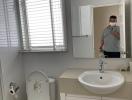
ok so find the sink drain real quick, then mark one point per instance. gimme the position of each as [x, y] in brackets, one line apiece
[101, 77]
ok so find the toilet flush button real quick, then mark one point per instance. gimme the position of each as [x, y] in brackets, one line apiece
[37, 85]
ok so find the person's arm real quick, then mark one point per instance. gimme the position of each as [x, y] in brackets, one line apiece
[101, 46]
[102, 41]
[116, 33]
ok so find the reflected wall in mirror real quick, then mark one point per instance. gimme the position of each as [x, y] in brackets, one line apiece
[98, 27]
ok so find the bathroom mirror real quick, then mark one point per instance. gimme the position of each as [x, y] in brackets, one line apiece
[98, 27]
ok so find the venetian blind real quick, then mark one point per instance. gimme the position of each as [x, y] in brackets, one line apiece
[8, 24]
[42, 25]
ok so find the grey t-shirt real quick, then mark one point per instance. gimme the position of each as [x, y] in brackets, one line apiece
[111, 43]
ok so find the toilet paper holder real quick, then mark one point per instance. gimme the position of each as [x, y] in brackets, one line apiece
[13, 88]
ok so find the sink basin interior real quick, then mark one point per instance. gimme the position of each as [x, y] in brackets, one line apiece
[102, 79]
[101, 83]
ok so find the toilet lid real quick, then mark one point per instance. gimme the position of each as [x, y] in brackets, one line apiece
[37, 86]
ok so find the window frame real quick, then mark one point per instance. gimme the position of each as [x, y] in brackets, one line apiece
[41, 49]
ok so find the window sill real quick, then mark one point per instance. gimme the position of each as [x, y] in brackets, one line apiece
[42, 51]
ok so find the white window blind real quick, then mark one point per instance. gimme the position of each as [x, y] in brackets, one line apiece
[42, 25]
[3, 35]
[8, 24]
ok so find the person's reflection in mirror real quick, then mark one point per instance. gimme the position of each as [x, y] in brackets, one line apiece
[110, 41]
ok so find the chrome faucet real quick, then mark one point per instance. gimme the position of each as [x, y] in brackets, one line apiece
[101, 64]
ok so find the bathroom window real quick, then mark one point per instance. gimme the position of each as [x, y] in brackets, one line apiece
[42, 25]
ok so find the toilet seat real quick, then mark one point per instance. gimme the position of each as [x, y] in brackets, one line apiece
[37, 85]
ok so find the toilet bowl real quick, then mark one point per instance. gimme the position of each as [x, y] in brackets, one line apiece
[40, 87]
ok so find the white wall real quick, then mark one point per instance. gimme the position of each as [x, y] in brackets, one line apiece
[12, 71]
[11, 62]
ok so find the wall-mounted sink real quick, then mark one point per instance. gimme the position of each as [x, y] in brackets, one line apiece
[101, 83]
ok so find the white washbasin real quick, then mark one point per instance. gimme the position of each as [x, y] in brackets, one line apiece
[101, 83]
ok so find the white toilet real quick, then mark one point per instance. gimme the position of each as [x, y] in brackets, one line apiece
[40, 87]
